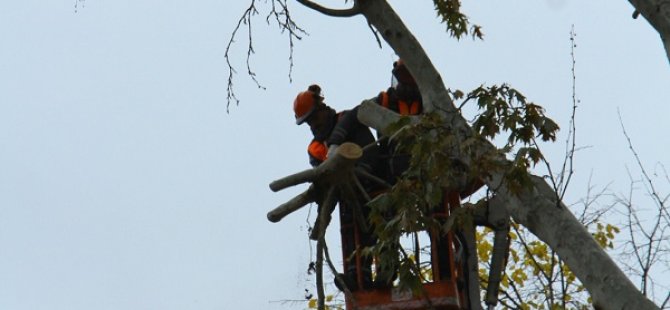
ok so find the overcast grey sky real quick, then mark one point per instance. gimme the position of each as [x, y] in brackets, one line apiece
[124, 184]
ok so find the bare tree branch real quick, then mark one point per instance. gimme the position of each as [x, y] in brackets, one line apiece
[286, 24]
[652, 188]
[244, 19]
[353, 11]
[570, 142]
[648, 239]
[280, 14]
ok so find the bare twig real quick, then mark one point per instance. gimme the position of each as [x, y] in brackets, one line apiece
[244, 19]
[561, 180]
[279, 11]
[652, 188]
[665, 301]
[587, 216]
[532, 256]
[283, 18]
[76, 5]
[570, 143]
[647, 242]
[516, 292]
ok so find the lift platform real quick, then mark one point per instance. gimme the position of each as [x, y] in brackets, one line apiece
[446, 291]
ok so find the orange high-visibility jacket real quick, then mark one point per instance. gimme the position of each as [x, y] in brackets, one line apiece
[390, 100]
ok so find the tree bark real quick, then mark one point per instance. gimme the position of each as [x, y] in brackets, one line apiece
[657, 13]
[537, 207]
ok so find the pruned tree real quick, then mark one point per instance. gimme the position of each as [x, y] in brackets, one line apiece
[531, 201]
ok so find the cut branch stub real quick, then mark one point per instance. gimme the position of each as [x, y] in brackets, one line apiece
[329, 171]
[292, 205]
[298, 178]
[332, 171]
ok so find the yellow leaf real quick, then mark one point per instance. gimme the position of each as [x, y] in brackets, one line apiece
[505, 281]
[312, 303]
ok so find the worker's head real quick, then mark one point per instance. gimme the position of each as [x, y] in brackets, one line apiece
[401, 73]
[306, 103]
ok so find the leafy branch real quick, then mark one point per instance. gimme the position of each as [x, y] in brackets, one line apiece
[457, 23]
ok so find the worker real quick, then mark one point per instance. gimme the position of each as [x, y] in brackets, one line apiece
[330, 129]
[404, 98]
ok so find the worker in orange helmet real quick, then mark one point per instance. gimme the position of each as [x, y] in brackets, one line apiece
[330, 129]
[309, 108]
[403, 96]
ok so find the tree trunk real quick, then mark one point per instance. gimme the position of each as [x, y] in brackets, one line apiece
[536, 208]
[657, 13]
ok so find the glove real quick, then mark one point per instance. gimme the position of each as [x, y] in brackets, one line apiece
[332, 149]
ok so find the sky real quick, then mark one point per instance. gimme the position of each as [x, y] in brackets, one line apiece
[126, 183]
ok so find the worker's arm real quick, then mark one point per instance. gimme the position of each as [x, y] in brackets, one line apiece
[346, 125]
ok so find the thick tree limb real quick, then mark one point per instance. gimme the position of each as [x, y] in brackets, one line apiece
[368, 112]
[657, 13]
[292, 205]
[535, 207]
[332, 171]
[353, 11]
[345, 157]
[305, 176]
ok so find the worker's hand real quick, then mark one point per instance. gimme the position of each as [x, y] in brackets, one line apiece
[332, 149]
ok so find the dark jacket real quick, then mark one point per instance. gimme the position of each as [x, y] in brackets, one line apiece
[404, 100]
[345, 127]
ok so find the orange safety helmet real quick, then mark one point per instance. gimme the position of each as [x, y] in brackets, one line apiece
[306, 102]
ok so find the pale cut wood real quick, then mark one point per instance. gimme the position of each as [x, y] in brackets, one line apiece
[346, 156]
[292, 205]
[333, 171]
